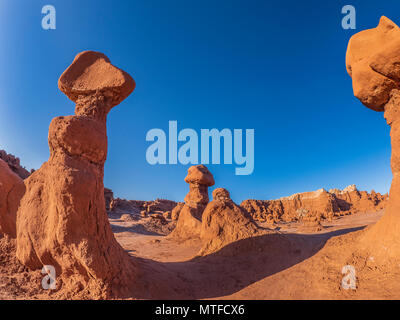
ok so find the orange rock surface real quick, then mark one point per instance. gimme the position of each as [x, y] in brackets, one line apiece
[327, 204]
[373, 60]
[62, 219]
[190, 216]
[11, 191]
[224, 222]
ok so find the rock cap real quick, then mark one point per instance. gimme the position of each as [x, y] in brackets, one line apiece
[199, 174]
[92, 72]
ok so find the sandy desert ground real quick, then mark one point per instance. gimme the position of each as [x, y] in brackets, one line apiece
[262, 271]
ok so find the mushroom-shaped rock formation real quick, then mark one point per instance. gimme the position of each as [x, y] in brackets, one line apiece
[62, 220]
[12, 189]
[224, 222]
[94, 84]
[190, 216]
[373, 61]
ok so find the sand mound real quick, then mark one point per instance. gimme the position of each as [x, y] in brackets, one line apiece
[224, 222]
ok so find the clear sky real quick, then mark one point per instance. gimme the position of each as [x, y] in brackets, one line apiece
[277, 67]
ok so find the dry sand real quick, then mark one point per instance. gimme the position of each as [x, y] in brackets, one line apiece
[282, 264]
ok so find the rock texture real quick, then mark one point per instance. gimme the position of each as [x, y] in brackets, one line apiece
[224, 222]
[62, 219]
[137, 206]
[311, 222]
[108, 198]
[373, 60]
[12, 189]
[328, 204]
[190, 216]
[176, 211]
[14, 164]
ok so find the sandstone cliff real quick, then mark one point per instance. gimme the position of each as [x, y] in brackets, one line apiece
[326, 203]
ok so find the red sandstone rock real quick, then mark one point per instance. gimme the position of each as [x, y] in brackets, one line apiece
[14, 164]
[224, 222]
[167, 215]
[11, 191]
[311, 222]
[136, 206]
[190, 217]
[176, 211]
[62, 219]
[108, 197]
[370, 53]
[372, 61]
[328, 204]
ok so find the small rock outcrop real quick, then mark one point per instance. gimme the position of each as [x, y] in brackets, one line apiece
[12, 189]
[62, 219]
[224, 222]
[190, 217]
[14, 164]
[176, 211]
[137, 206]
[108, 198]
[311, 222]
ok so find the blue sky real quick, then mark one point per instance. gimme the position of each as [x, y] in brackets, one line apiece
[275, 67]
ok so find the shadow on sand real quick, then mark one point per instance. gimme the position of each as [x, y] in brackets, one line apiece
[236, 265]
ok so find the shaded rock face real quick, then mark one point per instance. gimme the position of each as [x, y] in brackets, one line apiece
[108, 198]
[137, 206]
[12, 189]
[373, 60]
[328, 204]
[190, 215]
[14, 164]
[177, 210]
[62, 219]
[224, 222]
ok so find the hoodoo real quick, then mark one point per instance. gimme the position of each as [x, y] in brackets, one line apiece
[62, 219]
[372, 60]
[190, 216]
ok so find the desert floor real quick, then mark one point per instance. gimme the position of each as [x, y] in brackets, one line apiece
[281, 264]
[263, 268]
